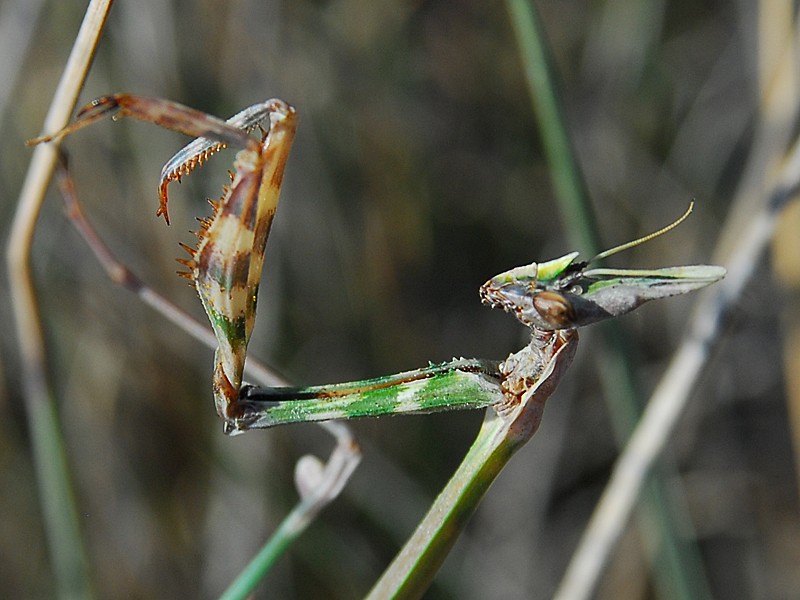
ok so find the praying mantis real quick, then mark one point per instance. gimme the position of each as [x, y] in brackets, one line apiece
[553, 298]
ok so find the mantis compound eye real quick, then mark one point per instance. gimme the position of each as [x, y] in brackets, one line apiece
[555, 309]
[576, 289]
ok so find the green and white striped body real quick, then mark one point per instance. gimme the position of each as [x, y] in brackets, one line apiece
[456, 385]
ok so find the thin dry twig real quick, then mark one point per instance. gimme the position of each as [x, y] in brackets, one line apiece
[318, 483]
[672, 395]
[743, 240]
[55, 489]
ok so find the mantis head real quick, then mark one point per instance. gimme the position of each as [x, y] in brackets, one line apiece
[564, 294]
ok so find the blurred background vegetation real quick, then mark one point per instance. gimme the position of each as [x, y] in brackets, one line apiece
[417, 174]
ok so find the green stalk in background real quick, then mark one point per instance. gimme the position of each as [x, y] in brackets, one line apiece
[678, 568]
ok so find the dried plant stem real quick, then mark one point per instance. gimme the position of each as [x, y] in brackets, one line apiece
[671, 396]
[58, 507]
[743, 239]
[676, 566]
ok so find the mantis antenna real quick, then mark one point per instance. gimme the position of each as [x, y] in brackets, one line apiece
[647, 238]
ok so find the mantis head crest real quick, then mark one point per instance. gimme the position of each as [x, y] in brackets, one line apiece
[563, 294]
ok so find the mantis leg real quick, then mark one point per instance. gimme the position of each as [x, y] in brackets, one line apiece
[316, 490]
[212, 133]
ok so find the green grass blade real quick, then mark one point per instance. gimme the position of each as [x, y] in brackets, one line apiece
[58, 501]
[315, 495]
[412, 571]
[567, 180]
[504, 431]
